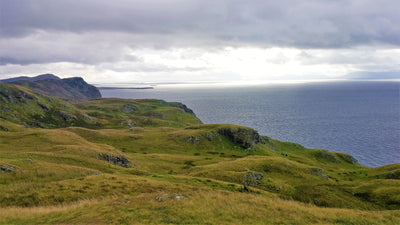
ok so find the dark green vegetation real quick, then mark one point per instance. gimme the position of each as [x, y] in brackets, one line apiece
[152, 162]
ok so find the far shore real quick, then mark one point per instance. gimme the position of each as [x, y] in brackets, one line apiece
[125, 87]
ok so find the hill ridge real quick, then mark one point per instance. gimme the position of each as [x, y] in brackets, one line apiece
[72, 89]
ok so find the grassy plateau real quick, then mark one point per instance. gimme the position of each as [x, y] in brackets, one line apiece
[118, 161]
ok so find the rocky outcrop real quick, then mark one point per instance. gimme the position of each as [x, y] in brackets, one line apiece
[251, 179]
[116, 160]
[66, 116]
[319, 172]
[4, 129]
[129, 108]
[245, 137]
[347, 158]
[393, 174]
[336, 157]
[6, 168]
[13, 95]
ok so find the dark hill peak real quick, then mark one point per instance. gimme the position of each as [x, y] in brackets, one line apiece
[46, 76]
[72, 89]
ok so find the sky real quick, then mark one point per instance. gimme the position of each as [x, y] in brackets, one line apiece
[136, 41]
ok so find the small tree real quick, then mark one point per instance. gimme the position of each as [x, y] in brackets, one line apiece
[251, 179]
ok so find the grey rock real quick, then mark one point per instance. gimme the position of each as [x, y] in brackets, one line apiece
[35, 124]
[211, 135]
[116, 160]
[175, 196]
[319, 172]
[347, 158]
[43, 107]
[66, 116]
[251, 179]
[129, 123]
[87, 118]
[193, 140]
[393, 175]
[245, 137]
[4, 129]
[6, 168]
[129, 108]
[330, 156]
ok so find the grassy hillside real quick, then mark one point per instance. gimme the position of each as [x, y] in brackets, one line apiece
[114, 161]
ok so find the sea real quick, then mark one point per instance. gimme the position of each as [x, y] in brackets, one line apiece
[361, 118]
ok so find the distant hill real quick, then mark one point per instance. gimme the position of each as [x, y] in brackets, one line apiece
[32, 79]
[72, 89]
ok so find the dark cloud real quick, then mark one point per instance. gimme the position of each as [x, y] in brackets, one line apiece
[111, 35]
[298, 23]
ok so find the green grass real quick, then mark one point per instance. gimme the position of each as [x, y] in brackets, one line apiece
[58, 178]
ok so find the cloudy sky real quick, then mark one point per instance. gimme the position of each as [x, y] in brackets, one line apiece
[199, 40]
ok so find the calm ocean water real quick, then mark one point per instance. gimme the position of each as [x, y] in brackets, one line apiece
[359, 118]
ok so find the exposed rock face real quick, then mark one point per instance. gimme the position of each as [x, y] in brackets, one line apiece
[116, 160]
[245, 137]
[72, 89]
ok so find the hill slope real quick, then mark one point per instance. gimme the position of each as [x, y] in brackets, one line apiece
[72, 89]
[114, 161]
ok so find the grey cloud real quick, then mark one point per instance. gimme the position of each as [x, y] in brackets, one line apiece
[296, 23]
[358, 57]
[43, 47]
